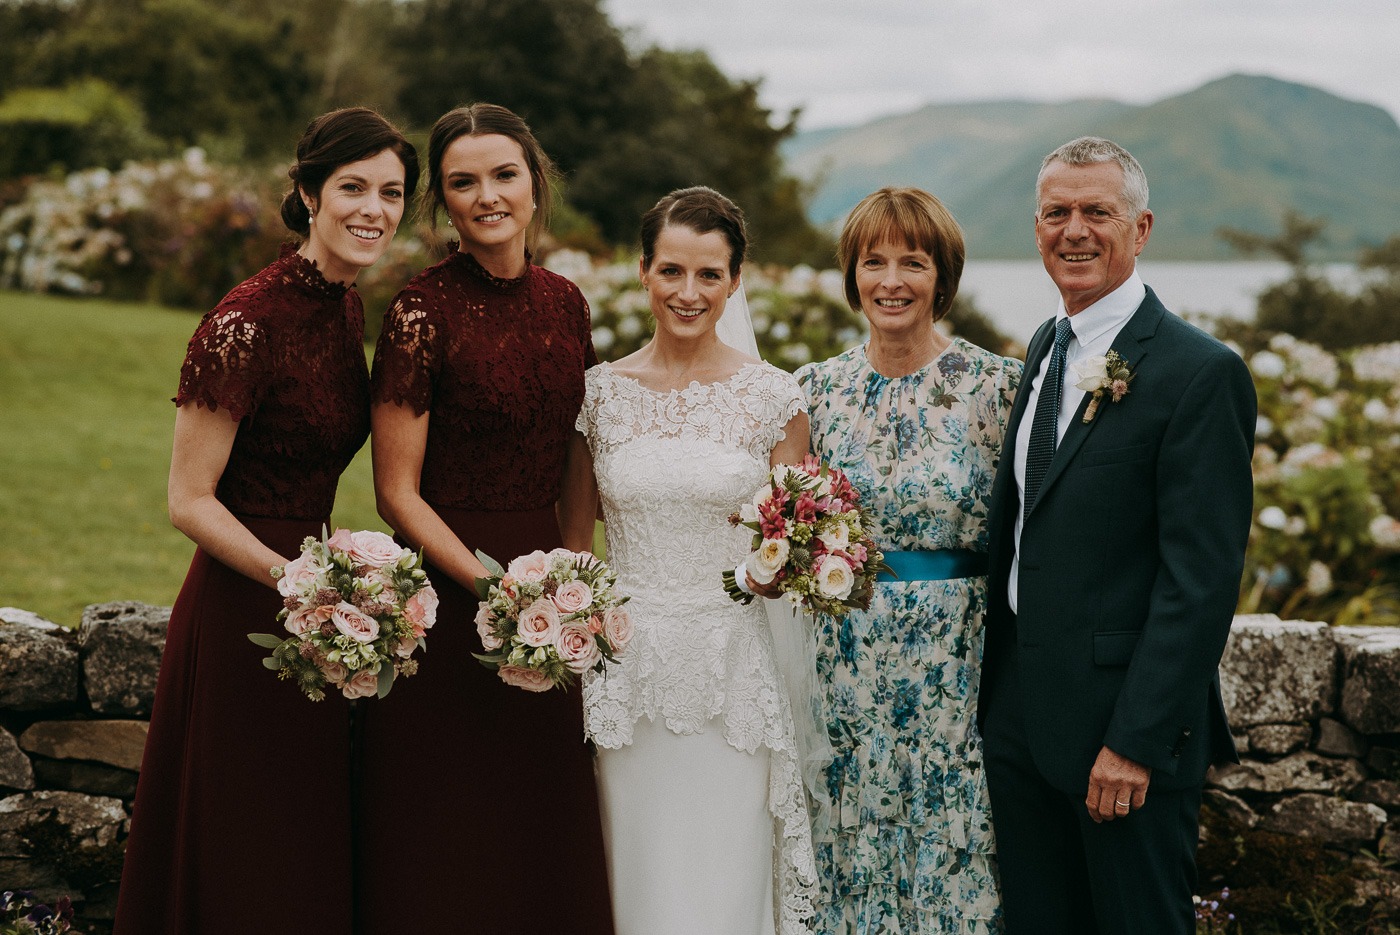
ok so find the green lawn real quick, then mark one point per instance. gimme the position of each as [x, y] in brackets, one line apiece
[85, 423]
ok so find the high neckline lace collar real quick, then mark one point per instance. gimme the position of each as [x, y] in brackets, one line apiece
[483, 275]
[309, 275]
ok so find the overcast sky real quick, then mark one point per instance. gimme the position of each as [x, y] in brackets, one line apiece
[846, 61]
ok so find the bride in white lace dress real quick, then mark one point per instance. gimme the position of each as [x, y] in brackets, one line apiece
[703, 809]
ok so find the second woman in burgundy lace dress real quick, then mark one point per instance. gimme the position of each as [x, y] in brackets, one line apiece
[242, 816]
[477, 805]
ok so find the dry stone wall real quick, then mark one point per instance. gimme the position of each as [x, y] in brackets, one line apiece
[1316, 710]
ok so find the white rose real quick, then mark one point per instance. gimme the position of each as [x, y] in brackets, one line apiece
[764, 565]
[834, 578]
[836, 539]
[748, 513]
[1092, 373]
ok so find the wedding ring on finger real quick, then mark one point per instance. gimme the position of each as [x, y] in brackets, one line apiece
[1122, 805]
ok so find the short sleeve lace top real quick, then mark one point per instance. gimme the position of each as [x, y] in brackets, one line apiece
[499, 363]
[283, 353]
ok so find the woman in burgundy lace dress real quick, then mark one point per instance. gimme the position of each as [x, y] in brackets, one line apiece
[242, 816]
[477, 806]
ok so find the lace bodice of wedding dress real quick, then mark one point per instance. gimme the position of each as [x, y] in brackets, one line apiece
[671, 468]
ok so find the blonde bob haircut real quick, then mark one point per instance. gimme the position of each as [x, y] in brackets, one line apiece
[904, 215]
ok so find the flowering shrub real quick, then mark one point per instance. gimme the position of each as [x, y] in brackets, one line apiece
[179, 232]
[1325, 543]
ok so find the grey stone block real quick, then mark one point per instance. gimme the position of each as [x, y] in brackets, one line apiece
[122, 644]
[1277, 672]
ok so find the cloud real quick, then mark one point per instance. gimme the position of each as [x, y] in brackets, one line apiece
[846, 62]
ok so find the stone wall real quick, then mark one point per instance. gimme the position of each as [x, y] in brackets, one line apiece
[73, 710]
[1316, 710]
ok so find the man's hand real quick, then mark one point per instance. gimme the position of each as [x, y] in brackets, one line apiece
[1117, 785]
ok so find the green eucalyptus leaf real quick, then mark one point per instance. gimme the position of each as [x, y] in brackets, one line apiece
[491, 564]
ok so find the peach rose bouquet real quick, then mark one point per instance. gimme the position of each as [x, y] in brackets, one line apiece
[357, 605]
[810, 538]
[548, 617]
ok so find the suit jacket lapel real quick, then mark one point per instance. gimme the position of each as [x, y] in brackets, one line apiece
[1129, 345]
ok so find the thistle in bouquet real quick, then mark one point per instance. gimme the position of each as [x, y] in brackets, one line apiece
[357, 605]
[811, 540]
[548, 617]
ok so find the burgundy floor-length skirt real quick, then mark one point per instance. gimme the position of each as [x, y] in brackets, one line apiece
[242, 814]
[477, 808]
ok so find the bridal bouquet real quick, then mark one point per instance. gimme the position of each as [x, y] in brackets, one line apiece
[357, 604]
[548, 617]
[810, 539]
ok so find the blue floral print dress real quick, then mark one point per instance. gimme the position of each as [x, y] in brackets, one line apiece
[904, 845]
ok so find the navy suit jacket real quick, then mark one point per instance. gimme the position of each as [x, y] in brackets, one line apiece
[1130, 561]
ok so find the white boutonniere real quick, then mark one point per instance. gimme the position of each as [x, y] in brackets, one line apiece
[1103, 372]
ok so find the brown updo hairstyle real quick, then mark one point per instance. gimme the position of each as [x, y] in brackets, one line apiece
[336, 139]
[910, 216]
[488, 120]
[702, 210]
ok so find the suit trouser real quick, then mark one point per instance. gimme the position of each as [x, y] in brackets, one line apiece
[1062, 874]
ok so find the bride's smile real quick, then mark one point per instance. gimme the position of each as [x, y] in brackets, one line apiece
[688, 281]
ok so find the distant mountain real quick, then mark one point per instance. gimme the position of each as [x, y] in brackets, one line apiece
[1237, 151]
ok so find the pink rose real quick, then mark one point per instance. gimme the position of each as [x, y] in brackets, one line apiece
[577, 648]
[421, 610]
[405, 648]
[299, 573]
[532, 567]
[367, 547]
[573, 596]
[486, 629]
[352, 623]
[539, 623]
[334, 672]
[617, 628]
[595, 624]
[532, 680]
[305, 620]
[363, 684]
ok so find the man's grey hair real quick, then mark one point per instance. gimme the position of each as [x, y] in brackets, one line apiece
[1088, 150]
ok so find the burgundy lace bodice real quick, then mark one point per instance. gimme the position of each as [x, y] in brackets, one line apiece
[284, 354]
[500, 367]
[499, 363]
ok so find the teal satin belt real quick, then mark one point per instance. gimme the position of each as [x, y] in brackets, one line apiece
[934, 565]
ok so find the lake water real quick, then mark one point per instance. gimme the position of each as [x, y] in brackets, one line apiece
[1018, 295]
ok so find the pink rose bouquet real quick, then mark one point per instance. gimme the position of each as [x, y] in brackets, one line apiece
[548, 617]
[357, 605]
[810, 538]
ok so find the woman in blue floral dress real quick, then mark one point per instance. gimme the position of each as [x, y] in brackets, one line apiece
[904, 840]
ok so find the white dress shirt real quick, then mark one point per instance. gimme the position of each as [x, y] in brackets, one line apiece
[1094, 329]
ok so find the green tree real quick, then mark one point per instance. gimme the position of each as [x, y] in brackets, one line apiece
[624, 127]
[201, 74]
[1306, 304]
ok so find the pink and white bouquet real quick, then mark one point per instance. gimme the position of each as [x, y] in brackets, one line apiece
[357, 605]
[810, 539]
[548, 617]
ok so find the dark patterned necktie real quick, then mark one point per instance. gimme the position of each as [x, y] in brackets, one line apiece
[1047, 417]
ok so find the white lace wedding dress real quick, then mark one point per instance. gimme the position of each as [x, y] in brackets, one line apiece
[703, 809]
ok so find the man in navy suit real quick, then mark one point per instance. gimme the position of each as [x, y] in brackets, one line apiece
[1119, 519]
